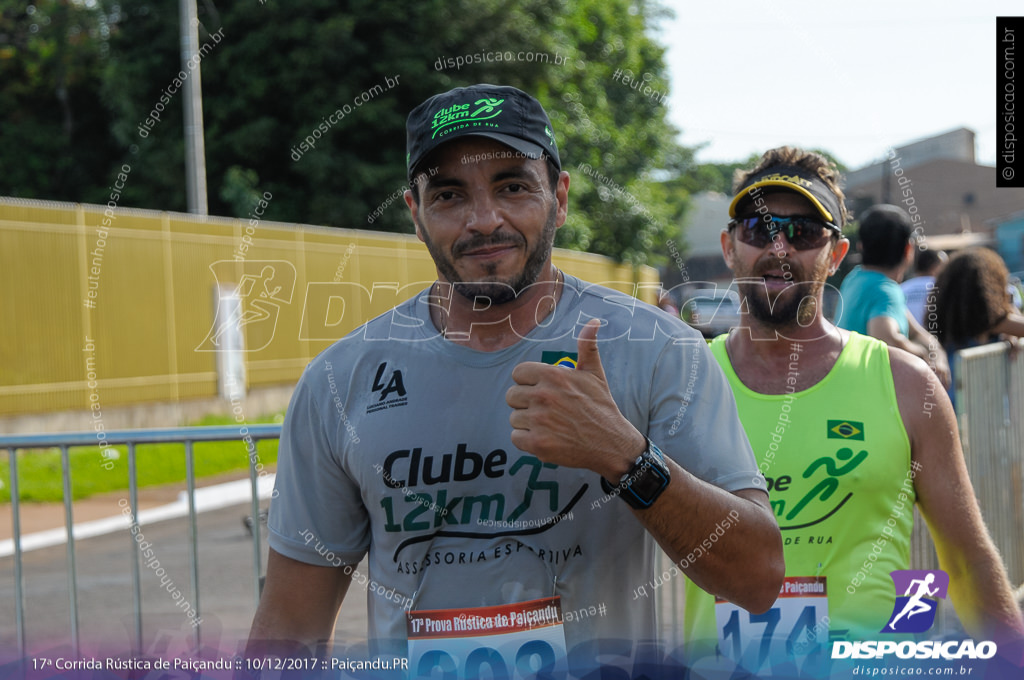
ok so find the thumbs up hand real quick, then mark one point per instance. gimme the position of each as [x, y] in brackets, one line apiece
[587, 354]
[569, 417]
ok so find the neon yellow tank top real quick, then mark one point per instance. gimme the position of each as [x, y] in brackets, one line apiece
[837, 460]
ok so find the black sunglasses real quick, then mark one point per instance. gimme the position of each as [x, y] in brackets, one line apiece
[803, 233]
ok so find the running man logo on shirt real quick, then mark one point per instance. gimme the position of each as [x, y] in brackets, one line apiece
[914, 611]
[845, 429]
[816, 501]
[564, 359]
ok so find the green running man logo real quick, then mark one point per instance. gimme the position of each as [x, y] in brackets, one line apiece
[824, 489]
[488, 106]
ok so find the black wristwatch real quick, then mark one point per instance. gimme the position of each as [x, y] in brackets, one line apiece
[645, 481]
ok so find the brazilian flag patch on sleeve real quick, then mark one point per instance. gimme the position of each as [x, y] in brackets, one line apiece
[566, 359]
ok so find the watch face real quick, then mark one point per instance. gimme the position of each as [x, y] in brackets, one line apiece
[644, 482]
[649, 480]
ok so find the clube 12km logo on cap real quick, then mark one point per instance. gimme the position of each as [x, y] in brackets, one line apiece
[460, 116]
[918, 592]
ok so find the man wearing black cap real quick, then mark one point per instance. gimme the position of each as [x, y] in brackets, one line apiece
[508, 507]
[841, 429]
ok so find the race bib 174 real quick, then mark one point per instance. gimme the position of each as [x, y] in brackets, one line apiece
[795, 626]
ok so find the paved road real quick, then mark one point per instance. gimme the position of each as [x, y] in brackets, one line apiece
[105, 594]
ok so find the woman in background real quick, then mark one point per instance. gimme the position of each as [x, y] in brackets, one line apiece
[971, 302]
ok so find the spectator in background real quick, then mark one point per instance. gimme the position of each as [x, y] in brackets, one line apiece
[873, 302]
[971, 301]
[927, 265]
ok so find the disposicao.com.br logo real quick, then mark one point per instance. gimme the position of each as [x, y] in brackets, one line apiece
[908, 649]
[914, 612]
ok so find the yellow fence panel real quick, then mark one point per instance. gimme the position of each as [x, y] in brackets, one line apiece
[121, 305]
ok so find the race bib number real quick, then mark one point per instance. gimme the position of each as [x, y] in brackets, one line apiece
[506, 641]
[796, 625]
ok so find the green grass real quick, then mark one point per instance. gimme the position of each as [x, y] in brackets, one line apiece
[39, 470]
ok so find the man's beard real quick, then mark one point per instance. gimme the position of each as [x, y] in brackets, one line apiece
[795, 305]
[498, 291]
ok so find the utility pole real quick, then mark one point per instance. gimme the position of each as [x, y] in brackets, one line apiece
[192, 100]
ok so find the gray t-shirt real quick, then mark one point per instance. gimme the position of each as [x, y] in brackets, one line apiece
[397, 444]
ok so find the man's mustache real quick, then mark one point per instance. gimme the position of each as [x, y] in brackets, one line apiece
[775, 264]
[486, 241]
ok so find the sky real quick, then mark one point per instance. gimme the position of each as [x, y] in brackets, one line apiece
[850, 78]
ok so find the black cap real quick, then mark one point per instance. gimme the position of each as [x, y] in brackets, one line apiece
[797, 179]
[503, 113]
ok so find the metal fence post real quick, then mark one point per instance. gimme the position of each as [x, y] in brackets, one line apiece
[190, 479]
[69, 522]
[133, 501]
[19, 579]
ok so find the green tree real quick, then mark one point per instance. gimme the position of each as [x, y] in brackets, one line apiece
[54, 140]
[617, 143]
[344, 75]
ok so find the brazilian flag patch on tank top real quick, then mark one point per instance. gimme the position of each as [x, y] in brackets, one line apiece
[845, 429]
